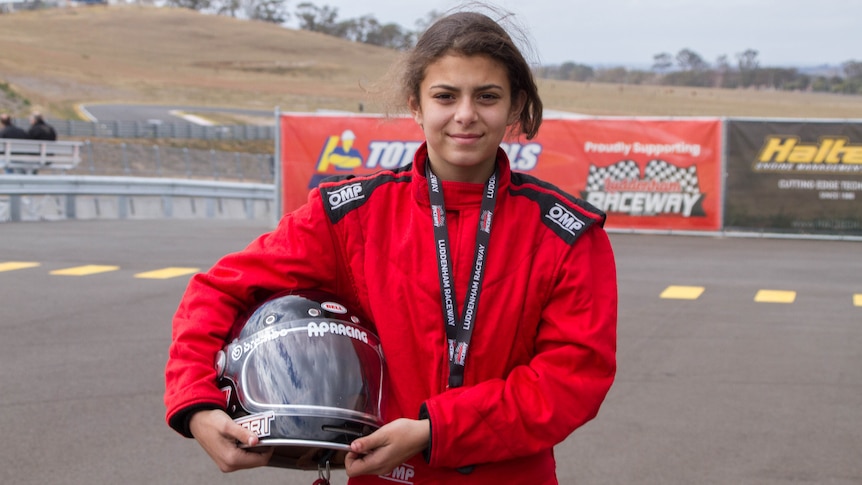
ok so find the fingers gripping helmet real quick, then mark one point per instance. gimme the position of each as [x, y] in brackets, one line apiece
[306, 376]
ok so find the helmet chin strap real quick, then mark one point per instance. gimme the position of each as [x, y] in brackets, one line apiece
[323, 473]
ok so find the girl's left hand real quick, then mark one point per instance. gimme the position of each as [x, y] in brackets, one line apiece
[388, 447]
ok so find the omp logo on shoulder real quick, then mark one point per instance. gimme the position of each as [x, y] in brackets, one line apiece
[258, 424]
[829, 154]
[345, 195]
[564, 218]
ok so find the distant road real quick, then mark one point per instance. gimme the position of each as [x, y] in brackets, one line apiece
[163, 113]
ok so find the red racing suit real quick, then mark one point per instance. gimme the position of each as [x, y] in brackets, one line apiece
[543, 350]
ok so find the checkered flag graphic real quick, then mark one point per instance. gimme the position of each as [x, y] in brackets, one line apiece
[655, 171]
[622, 170]
[662, 171]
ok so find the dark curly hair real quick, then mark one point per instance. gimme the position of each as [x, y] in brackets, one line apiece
[473, 34]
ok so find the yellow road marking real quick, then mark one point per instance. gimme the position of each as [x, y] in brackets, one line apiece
[165, 273]
[857, 299]
[84, 270]
[775, 296]
[13, 265]
[682, 292]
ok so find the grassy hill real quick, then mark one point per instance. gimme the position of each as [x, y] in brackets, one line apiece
[60, 57]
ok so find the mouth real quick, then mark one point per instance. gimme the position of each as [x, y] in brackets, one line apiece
[465, 137]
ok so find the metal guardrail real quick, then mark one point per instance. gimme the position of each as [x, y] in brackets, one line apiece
[68, 190]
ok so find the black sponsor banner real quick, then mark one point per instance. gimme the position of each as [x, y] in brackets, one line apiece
[801, 177]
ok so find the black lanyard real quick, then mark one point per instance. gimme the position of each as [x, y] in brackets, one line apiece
[458, 332]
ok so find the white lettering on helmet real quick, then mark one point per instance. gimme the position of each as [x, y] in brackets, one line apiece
[259, 338]
[320, 329]
[258, 424]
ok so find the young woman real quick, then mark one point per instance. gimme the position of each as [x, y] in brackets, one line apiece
[485, 405]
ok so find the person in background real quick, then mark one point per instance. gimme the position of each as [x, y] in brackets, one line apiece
[40, 130]
[10, 129]
[414, 248]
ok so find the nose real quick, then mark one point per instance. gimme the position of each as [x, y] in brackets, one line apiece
[465, 111]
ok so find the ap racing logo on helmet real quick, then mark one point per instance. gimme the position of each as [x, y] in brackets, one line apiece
[320, 329]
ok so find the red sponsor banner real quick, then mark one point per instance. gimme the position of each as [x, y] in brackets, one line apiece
[314, 147]
[646, 174]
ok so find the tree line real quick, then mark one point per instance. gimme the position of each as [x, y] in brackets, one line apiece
[686, 68]
[323, 19]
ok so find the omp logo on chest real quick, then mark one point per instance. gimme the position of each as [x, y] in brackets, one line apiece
[345, 195]
[564, 218]
[401, 474]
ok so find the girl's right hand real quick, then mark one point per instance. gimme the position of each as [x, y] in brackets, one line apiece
[219, 436]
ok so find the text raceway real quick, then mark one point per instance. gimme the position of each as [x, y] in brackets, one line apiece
[648, 174]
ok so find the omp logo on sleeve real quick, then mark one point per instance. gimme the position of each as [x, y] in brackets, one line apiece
[830, 154]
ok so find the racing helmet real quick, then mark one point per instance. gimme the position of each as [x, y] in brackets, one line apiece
[306, 375]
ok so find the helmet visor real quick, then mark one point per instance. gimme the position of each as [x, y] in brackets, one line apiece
[316, 367]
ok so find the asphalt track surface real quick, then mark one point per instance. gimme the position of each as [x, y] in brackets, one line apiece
[719, 389]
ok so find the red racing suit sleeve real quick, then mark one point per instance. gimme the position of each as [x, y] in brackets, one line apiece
[537, 405]
[299, 253]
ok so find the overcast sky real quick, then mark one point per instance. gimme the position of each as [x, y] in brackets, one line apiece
[630, 32]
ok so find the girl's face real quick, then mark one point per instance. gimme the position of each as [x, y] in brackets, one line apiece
[464, 107]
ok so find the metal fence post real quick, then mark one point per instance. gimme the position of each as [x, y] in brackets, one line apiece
[90, 155]
[214, 164]
[187, 162]
[126, 168]
[158, 157]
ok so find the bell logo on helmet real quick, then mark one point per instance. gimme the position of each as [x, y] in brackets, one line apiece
[333, 307]
[322, 328]
[258, 424]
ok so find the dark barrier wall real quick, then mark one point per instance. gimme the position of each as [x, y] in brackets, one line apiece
[799, 177]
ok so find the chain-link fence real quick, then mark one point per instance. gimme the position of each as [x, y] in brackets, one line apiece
[128, 159]
[158, 129]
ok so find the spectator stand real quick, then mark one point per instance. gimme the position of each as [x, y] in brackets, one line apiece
[30, 156]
